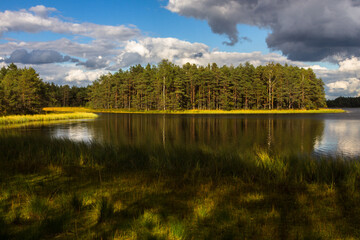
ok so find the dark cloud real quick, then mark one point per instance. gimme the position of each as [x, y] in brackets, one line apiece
[198, 55]
[38, 57]
[309, 30]
[94, 63]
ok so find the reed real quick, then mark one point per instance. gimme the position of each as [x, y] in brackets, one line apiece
[19, 119]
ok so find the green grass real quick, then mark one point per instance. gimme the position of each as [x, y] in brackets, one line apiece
[55, 188]
[20, 119]
[284, 111]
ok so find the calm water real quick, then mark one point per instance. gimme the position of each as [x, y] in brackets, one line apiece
[319, 134]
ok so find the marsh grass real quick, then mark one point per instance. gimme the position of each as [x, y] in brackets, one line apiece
[51, 188]
[20, 119]
[105, 210]
[275, 111]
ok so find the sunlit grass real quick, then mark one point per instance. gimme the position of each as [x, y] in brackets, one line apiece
[275, 111]
[21, 119]
[66, 109]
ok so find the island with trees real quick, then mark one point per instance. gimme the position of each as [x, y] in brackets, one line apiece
[171, 87]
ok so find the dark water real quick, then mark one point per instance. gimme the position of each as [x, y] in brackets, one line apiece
[319, 134]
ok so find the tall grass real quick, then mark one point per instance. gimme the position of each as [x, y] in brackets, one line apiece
[28, 155]
[17, 119]
[55, 188]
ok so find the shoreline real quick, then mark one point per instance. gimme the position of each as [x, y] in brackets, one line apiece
[20, 119]
[284, 111]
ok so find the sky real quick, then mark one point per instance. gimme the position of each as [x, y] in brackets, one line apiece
[75, 42]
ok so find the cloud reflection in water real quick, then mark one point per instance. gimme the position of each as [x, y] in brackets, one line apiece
[340, 137]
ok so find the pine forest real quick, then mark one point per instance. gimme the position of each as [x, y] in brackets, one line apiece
[171, 87]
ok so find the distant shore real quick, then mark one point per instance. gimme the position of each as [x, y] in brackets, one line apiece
[197, 111]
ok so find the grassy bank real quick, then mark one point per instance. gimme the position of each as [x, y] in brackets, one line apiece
[19, 119]
[290, 111]
[55, 188]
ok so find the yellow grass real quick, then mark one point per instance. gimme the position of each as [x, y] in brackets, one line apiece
[284, 111]
[18, 119]
[67, 109]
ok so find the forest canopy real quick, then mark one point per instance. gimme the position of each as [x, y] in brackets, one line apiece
[171, 87]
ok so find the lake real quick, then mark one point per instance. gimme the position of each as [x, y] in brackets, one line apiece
[182, 177]
[315, 134]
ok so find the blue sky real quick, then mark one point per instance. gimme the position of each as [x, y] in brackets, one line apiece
[148, 15]
[74, 42]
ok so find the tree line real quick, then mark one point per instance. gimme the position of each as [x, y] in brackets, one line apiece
[171, 87]
[344, 102]
[23, 92]
[167, 86]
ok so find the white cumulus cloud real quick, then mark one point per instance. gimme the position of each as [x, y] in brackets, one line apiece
[41, 10]
[350, 65]
[153, 50]
[37, 20]
[346, 87]
[79, 75]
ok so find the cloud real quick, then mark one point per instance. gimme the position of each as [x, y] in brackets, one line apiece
[309, 30]
[153, 50]
[106, 56]
[38, 57]
[42, 11]
[350, 65]
[62, 74]
[101, 56]
[317, 68]
[318, 35]
[95, 63]
[141, 51]
[348, 87]
[37, 20]
[344, 81]
[92, 49]
[127, 59]
[90, 52]
[79, 76]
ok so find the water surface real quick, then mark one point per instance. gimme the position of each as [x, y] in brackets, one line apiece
[319, 134]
